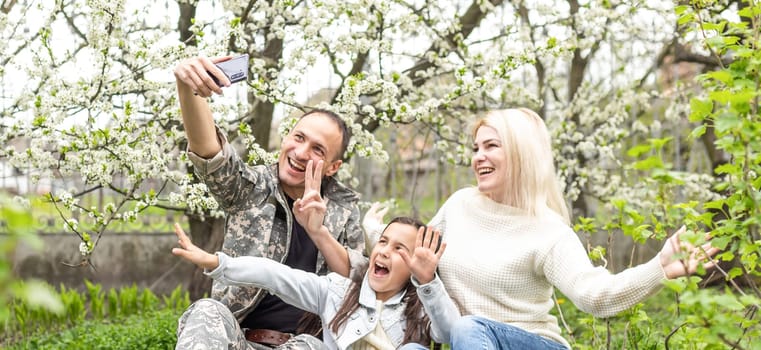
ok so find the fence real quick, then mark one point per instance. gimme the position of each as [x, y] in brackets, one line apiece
[120, 260]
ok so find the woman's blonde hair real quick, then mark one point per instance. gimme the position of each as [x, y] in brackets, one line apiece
[530, 182]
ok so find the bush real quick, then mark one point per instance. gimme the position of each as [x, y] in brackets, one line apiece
[124, 319]
[15, 229]
[152, 330]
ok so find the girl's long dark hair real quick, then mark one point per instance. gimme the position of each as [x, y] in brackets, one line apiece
[418, 325]
[311, 324]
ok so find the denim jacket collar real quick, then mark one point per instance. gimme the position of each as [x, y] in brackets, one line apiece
[367, 294]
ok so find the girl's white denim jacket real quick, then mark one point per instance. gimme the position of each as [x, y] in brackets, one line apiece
[323, 295]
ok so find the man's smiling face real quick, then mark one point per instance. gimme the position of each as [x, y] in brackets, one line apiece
[314, 137]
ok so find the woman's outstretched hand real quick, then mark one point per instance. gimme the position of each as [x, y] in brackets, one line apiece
[190, 252]
[693, 256]
[373, 220]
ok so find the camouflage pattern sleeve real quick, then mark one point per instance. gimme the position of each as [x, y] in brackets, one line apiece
[355, 243]
[234, 185]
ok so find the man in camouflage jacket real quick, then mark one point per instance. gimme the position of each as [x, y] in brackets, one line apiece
[259, 220]
[249, 196]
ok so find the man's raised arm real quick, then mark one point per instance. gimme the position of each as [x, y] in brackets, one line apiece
[194, 85]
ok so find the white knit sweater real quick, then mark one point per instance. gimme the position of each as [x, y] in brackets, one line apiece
[502, 264]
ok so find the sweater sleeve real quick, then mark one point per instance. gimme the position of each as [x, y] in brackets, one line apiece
[594, 289]
[373, 231]
[301, 289]
[439, 220]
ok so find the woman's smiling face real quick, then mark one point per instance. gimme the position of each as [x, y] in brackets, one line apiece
[489, 163]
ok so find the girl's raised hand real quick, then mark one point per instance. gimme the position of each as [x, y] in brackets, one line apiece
[190, 252]
[425, 258]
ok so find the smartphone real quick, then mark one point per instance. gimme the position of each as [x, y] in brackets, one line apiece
[236, 69]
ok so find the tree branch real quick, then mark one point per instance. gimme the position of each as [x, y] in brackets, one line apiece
[468, 22]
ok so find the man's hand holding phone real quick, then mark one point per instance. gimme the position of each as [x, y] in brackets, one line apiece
[234, 69]
[205, 76]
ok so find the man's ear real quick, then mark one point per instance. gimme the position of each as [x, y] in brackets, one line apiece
[332, 168]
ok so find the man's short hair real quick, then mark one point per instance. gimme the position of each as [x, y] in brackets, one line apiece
[345, 132]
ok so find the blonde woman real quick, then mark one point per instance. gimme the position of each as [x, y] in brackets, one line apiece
[510, 244]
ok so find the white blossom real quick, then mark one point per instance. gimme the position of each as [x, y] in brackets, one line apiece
[84, 249]
[106, 115]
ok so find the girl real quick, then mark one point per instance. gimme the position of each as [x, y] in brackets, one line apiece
[400, 300]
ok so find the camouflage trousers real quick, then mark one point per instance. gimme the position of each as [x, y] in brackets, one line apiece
[209, 324]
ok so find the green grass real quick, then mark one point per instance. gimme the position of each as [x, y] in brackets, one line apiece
[153, 330]
[127, 318]
[644, 327]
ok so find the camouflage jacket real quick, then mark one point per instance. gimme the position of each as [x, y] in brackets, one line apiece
[249, 196]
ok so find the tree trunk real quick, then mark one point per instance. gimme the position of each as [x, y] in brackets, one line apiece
[187, 14]
[261, 111]
[260, 120]
[579, 64]
[208, 235]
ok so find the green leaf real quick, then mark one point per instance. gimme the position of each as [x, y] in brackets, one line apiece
[727, 168]
[39, 295]
[639, 150]
[670, 177]
[721, 96]
[746, 12]
[597, 253]
[698, 131]
[716, 42]
[728, 301]
[700, 109]
[39, 121]
[721, 242]
[659, 143]
[719, 75]
[648, 163]
[718, 26]
[731, 40]
[677, 285]
[618, 203]
[727, 122]
[734, 272]
[686, 15]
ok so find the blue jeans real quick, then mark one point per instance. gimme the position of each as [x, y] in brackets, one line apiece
[480, 333]
[413, 346]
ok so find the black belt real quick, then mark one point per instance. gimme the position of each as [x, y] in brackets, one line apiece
[267, 336]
